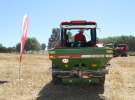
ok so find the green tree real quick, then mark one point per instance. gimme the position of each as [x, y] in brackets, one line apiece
[11, 49]
[18, 47]
[130, 40]
[32, 44]
[43, 46]
[3, 49]
[54, 37]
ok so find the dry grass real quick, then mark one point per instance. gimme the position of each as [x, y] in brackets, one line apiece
[35, 83]
[34, 75]
[120, 82]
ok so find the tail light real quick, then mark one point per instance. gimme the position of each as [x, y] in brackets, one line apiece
[51, 56]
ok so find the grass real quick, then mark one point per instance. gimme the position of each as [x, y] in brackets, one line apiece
[35, 83]
[120, 81]
[34, 75]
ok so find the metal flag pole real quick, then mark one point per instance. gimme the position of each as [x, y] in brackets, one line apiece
[19, 73]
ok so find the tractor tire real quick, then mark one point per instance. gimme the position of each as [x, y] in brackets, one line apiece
[56, 80]
[124, 55]
[102, 80]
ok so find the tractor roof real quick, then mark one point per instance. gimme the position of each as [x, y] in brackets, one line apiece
[78, 22]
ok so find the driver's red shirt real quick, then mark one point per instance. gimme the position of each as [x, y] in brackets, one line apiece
[80, 37]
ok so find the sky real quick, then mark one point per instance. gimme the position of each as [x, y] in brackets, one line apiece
[113, 17]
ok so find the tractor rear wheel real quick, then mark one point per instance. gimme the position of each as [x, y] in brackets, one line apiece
[102, 80]
[56, 80]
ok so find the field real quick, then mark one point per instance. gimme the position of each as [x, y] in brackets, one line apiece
[35, 81]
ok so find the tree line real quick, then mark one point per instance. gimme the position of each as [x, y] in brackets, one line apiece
[32, 44]
[129, 40]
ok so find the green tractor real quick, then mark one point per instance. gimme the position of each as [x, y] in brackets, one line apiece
[75, 60]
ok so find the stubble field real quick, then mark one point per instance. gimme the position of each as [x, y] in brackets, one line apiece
[35, 81]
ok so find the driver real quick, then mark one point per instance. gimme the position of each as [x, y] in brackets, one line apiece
[80, 37]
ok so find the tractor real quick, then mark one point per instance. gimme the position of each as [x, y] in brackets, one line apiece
[74, 60]
[121, 50]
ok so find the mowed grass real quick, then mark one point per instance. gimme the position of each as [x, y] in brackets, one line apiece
[34, 75]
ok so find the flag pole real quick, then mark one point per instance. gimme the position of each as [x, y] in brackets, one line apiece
[20, 66]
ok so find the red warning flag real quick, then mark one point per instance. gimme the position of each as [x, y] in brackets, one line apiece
[24, 35]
